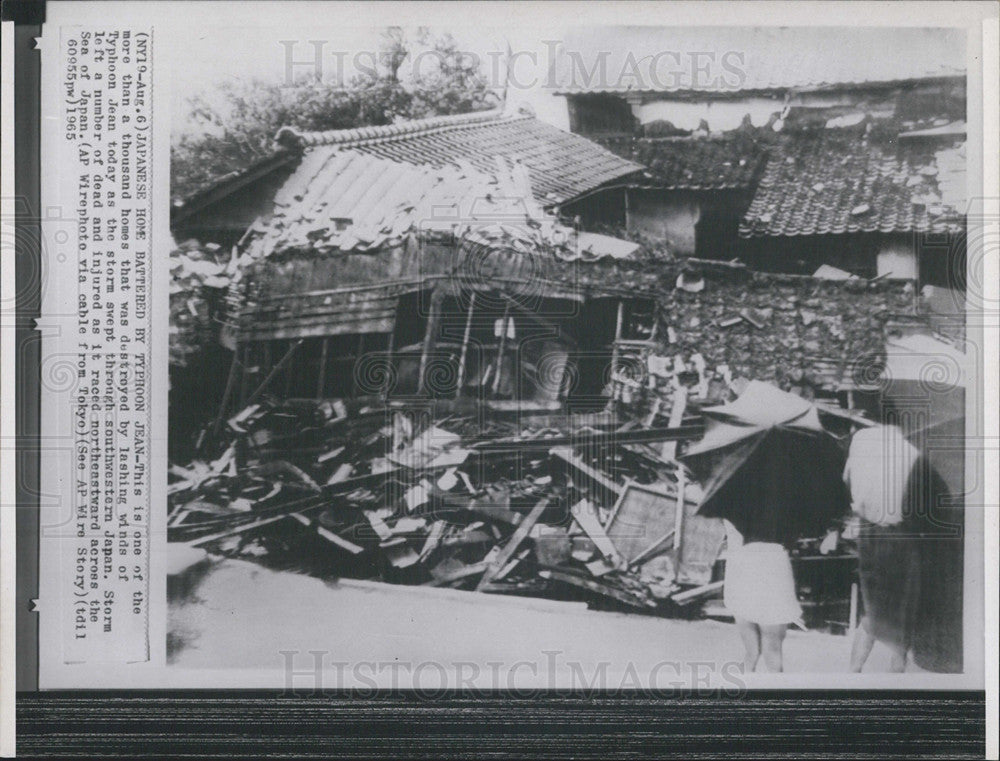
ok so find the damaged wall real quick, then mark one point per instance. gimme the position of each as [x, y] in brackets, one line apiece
[794, 325]
[810, 326]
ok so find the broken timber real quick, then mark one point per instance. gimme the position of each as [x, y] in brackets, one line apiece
[519, 535]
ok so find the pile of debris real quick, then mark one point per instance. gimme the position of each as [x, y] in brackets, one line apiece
[199, 277]
[571, 506]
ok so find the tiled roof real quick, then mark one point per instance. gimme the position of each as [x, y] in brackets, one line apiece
[561, 165]
[339, 201]
[690, 163]
[731, 59]
[840, 181]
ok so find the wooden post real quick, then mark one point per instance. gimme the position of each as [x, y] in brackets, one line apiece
[502, 349]
[679, 517]
[429, 337]
[614, 347]
[230, 384]
[852, 621]
[321, 380]
[390, 345]
[669, 450]
[465, 345]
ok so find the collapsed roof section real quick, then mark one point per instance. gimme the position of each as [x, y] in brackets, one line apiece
[351, 233]
[345, 201]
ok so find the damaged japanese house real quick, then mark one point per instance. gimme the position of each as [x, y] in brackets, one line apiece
[434, 378]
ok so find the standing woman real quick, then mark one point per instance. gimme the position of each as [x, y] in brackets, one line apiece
[881, 475]
[759, 591]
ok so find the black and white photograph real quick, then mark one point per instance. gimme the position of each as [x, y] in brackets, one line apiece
[586, 377]
[652, 367]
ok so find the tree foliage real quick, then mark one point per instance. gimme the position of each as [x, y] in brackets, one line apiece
[236, 125]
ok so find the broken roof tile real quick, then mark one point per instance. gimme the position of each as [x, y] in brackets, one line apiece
[694, 163]
[841, 181]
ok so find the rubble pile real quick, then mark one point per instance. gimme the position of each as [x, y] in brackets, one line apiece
[199, 276]
[566, 506]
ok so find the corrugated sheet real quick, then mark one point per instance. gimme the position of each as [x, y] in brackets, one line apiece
[746, 59]
[561, 165]
[841, 181]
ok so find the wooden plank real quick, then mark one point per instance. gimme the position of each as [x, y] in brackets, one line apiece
[652, 549]
[585, 515]
[227, 394]
[595, 586]
[433, 538]
[321, 380]
[465, 345]
[282, 363]
[614, 348]
[235, 530]
[519, 535]
[329, 535]
[501, 350]
[669, 449]
[502, 573]
[679, 517]
[594, 476]
[585, 439]
[683, 598]
[461, 573]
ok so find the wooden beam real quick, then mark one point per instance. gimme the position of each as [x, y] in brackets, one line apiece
[683, 598]
[321, 380]
[585, 514]
[430, 336]
[502, 349]
[669, 449]
[679, 515]
[519, 535]
[651, 550]
[331, 537]
[461, 573]
[465, 345]
[274, 371]
[236, 530]
[227, 394]
[595, 586]
[607, 487]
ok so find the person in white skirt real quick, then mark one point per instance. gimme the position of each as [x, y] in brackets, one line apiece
[759, 591]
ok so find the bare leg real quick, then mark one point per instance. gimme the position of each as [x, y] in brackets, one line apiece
[750, 634]
[861, 648]
[772, 638]
[897, 664]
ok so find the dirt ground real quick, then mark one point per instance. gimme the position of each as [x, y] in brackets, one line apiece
[233, 614]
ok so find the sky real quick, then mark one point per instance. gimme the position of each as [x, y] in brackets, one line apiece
[212, 55]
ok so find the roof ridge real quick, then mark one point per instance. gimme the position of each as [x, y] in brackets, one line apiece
[346, 137]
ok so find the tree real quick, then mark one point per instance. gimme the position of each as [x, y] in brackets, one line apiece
[241, 131]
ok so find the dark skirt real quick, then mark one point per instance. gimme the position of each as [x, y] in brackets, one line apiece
[890, 570]
[937, 637]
